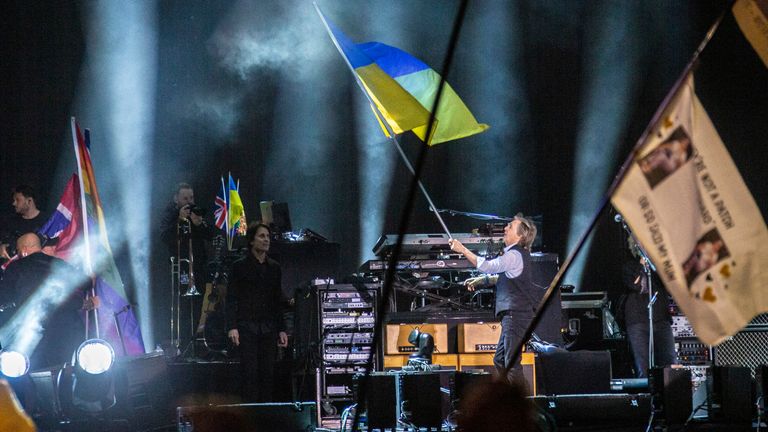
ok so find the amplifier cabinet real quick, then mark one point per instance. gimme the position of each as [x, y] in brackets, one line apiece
[479, 337]
[397, 337]
[748, 348]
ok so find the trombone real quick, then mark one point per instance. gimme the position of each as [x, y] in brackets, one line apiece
[179, 279]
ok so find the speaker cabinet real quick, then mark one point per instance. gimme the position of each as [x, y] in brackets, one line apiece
[748, 348]
[731, 394]
[577, 372]
[545, 267]
[671, 389]
[588, 411]
[143, 391]
[421, 399]
[381, 401]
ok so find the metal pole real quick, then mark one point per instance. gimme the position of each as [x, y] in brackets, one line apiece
[651, 301]
[616, 182]
[408, 207]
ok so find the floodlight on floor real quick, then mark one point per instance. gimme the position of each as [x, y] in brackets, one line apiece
[95, 356]
[13, 364]
[93, 384]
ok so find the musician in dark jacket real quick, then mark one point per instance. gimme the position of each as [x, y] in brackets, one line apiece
[636, 287]
[256, 314]
[515, 303]
[56, 291]
[183, 225]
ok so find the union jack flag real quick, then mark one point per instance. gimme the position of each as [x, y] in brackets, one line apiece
[221, 208]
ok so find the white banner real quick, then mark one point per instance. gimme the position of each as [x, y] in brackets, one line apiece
[687, 204]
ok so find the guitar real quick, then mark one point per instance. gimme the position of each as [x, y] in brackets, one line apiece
[216, 291]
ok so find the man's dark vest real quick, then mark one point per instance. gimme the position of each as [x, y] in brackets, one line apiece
[514, 295]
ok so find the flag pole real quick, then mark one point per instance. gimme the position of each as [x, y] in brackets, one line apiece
[86, 235]
[229, 209]
[386, 125]
[408, 207]
[224, 194]
[681, 80]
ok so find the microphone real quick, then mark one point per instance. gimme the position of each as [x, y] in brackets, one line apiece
[618, 218]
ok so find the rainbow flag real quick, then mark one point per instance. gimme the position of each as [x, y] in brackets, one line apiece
[403, 90]
[96, 255]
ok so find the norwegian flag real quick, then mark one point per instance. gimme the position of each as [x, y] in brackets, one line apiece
[63, 224]
[66, 221]
[221, 208]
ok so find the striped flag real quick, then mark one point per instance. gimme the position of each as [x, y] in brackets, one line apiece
[95, 256]
[65, 223]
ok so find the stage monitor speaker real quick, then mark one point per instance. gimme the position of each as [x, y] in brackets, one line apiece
[143, 392]
[420, 399]
[731, 394]
[671, 389]
[463, 382]
[284, 417]
[381, 401]
[589, 411]
[577, 372]
[545, 266]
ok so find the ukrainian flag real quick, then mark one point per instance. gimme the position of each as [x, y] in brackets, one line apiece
[404, 88]
[236, 210]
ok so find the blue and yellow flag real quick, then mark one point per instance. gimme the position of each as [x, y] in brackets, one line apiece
[403, 89]
[235, 211]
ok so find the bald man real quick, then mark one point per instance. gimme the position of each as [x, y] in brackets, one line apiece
[57, 288]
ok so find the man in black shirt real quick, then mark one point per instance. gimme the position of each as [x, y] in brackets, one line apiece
[26, 218]
[57, 290]
[256, 314]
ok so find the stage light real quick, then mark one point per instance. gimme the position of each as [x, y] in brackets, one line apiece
[116, 100]
[92, 382]
[607, 105]
[13, 364]
[425, 346]
[95, 356]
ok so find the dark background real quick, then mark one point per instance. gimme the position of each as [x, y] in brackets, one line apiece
[296, 128]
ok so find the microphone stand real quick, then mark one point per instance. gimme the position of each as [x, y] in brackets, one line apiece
[479, 216]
